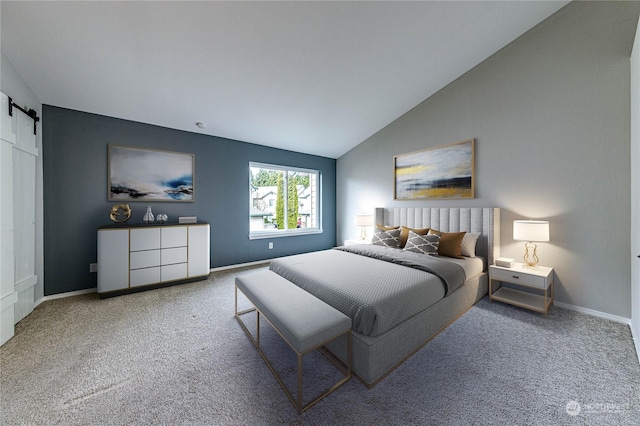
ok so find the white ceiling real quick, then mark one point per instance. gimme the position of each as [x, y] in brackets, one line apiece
[313, 77]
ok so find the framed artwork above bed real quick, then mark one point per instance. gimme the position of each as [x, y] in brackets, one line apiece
[137, 174]
[442, 172]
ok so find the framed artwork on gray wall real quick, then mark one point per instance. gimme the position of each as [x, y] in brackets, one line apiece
[442, 172]
[137, 174]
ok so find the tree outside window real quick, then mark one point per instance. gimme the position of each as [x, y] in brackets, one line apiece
[283, 199]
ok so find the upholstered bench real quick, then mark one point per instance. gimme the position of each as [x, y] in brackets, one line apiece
[305, 322]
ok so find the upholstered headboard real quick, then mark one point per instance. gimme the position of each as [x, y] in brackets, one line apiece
[485, 220]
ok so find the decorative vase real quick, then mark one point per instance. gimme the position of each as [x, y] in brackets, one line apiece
[148, 216]
[162, 218]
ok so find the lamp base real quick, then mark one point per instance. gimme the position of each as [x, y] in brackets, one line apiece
[528, 263]
[363, 233]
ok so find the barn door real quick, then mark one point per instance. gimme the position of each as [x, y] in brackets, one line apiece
[18, 155]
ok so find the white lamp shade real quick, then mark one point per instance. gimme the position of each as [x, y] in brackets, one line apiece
[531, 230]
[364, 220]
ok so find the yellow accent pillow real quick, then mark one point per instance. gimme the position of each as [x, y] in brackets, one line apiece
[387, 228]
[449, 243]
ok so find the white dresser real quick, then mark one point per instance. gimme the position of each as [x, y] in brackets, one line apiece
[134, 258]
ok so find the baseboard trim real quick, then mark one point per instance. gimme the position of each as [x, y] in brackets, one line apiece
[241, 265]
[593, 312]
[63, 295]
[636, 339]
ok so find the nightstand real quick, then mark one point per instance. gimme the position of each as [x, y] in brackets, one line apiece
[538, 278]
[356, 241]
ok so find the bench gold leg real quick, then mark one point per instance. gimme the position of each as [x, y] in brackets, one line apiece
[300, 401]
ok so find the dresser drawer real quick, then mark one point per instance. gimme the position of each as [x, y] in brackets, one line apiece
[173, 255]
[174, 236]
[144, 259]
[144, 276]
[173, 272]
[519, 277]
[145, 239]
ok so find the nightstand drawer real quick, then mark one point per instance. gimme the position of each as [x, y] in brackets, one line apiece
[519, 277]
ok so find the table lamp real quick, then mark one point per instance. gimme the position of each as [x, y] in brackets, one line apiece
[530, 231]
[364, 221]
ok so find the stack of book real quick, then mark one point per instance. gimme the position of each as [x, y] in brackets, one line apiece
[505, 262]
[187, 219]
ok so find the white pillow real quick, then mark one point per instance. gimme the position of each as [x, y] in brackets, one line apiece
[468, 244]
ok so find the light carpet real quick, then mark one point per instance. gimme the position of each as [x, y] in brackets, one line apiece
[178, 356]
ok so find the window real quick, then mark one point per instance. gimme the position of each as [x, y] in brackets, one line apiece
[283, 201]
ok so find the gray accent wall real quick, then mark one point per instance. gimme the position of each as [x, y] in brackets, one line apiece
[550, 115]
[76, 205]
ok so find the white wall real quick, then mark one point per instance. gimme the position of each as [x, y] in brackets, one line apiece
[13, 85]
[550, 114]
[635, 191]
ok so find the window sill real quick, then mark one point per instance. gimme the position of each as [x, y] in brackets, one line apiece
[278, 234]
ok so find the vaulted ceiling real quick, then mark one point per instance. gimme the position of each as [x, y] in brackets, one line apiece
[313, 77]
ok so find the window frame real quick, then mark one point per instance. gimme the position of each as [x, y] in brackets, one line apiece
[279, 233]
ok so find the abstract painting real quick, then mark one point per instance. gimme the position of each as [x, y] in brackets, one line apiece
[137, 174]
[442, 172]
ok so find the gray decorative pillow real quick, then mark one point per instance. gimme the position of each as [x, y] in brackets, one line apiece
[424, 244]
[468, 244]
[389, 238]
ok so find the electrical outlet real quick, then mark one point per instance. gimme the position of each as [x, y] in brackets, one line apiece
[270, 245]
[93, 267]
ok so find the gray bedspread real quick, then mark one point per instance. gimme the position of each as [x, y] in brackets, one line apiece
[452, 275]
[376, 287]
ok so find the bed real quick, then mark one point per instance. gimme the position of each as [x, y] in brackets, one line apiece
[398, 300]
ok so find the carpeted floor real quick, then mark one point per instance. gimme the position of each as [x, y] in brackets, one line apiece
[178, 356]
